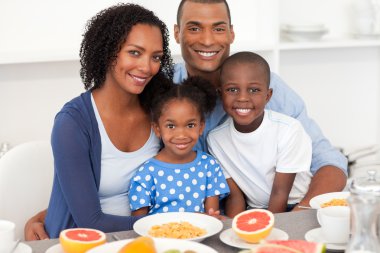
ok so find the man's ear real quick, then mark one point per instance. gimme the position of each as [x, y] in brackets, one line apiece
[232, 34]
[156, 130]
[176, 33]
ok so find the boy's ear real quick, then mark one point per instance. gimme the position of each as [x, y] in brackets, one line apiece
[269, 94]
[219, 91]
[156, 129]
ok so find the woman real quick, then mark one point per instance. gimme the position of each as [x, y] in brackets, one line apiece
[100, 137]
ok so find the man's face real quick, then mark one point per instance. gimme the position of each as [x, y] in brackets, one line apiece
[205, 35]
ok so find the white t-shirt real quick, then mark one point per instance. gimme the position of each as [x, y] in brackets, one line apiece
[251, 159]
[117, 169]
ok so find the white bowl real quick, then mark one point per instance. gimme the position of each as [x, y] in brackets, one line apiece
[304, 35]
[162, 245]
[319, 200]
[304, 27]
[209, 223]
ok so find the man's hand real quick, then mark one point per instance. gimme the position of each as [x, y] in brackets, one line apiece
[327, 179]
[35, 229]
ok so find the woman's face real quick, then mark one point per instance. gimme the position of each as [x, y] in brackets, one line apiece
[138, 60]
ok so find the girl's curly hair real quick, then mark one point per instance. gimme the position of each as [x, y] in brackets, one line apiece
[200, 92]
[106, 33]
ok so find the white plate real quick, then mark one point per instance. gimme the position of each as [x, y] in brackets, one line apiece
[162, 244]
[55, 249]
[210, 224]
[229, 237]
[23, 248]
[317, 201]
[315, 235]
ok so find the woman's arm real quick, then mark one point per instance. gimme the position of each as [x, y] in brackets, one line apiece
[282, 185]
[235, 202]
[34, 228]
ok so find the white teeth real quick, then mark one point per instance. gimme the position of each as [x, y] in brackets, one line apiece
[207, 54]
[139, 79]
[243, 111]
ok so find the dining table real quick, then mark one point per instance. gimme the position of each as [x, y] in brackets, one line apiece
[295, 224]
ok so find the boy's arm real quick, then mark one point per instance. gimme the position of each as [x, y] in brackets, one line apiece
[235, 201]
[282, 185]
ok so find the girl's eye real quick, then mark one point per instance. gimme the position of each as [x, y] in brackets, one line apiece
[171, 126]
[232, 90]
[191, 125]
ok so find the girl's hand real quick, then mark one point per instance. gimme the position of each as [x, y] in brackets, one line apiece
[216, 214]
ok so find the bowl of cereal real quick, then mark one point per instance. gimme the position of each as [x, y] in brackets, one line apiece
[178, 225]
[330, 199]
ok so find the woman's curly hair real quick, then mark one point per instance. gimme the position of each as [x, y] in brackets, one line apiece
[106, 33]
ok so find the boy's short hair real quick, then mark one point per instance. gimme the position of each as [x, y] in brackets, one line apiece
[247, 57]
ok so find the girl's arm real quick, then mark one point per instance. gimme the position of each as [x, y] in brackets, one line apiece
[282, 185]
[142, 211]
[212, 202]
[235, 202]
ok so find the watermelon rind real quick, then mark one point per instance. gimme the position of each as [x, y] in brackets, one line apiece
[273, 248]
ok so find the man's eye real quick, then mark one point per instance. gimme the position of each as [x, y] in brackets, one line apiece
[194, 29]
[219, 29]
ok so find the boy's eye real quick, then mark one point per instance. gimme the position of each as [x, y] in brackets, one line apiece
[191, 125]
[253, 90]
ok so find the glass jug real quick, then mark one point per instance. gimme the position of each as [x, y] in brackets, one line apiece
[365, 207]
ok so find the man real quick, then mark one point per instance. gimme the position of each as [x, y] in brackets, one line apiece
[205, 34]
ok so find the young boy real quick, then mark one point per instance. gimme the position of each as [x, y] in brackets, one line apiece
[265, 154]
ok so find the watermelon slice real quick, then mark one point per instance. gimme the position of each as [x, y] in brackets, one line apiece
[301, 245]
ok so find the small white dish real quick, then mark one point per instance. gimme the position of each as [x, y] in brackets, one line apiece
[317, 201]
[369, 36]
[300, 36]
[315, 235]
[23, 248]
[229, 237]
[161, 245]
[311, 27]
[209, 223]
[55, 249]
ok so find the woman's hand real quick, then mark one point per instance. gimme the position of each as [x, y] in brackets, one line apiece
[35, 229]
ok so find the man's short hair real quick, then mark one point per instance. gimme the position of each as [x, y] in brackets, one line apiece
[180, 7]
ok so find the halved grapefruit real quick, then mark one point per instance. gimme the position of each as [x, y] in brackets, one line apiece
[79, 240]
[141, 244]
[253, 225]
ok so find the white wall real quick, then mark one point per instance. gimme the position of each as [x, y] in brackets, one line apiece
[341, 87]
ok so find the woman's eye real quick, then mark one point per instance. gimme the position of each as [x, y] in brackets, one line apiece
[157, 58]
[134, 52]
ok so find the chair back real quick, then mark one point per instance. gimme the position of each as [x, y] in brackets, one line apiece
[26, 178]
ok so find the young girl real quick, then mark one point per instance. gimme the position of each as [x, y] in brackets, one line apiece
[179, 179]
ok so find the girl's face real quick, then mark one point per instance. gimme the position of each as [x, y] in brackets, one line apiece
[245, 92]
[138, 60]
[179, 126]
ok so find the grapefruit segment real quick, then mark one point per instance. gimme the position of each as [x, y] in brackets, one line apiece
[253, 225]
[141, 244]
[79, 240]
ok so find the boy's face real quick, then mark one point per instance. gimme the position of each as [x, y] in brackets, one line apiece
[205, 35]
[244, 90]
[179, 126]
